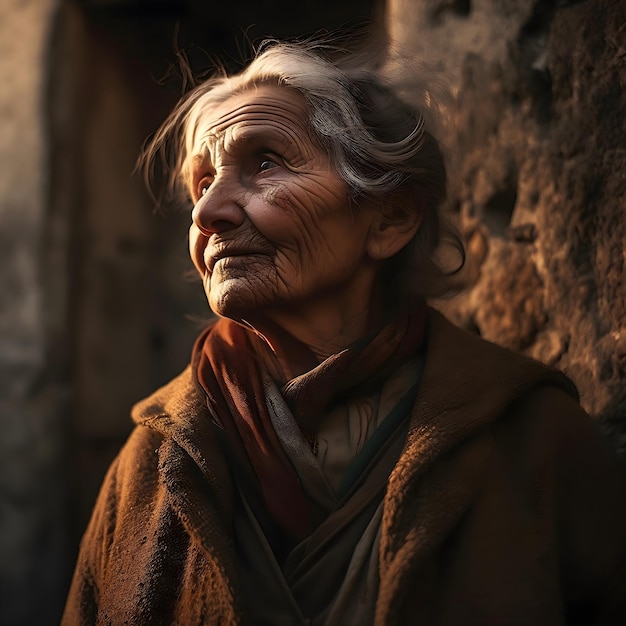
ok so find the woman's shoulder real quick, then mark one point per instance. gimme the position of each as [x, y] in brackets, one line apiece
[172, 397]
[465, 374]
[483, 362]
[529, 408]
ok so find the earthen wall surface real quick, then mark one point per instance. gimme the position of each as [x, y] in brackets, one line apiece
[537, 162]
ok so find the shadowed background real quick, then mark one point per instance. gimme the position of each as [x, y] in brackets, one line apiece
[99, 305]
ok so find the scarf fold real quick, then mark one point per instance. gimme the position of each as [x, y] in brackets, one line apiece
[228, 368]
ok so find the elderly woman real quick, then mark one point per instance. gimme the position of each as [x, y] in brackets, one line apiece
[337, 452]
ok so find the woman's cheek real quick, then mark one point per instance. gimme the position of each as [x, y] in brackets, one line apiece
[284, 213]
[197, 243]
[273, 222]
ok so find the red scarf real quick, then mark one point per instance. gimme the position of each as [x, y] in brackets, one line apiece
[228, 368]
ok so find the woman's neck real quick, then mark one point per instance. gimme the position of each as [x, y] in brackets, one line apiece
[300, 345]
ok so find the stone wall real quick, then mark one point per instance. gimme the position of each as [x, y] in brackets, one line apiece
[33, 389]
[538, 184]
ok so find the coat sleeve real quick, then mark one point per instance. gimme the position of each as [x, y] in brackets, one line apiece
[590, 497]
[124, 503]
[594, 527]
[81, 607]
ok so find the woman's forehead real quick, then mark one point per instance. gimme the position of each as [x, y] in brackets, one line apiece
[268, 107]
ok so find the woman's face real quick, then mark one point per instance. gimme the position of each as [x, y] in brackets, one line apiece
[272, 234]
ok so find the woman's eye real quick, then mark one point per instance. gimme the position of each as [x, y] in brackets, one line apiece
[203, 186]
[266, 164]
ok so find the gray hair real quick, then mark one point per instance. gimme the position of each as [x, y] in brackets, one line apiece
[380, 144]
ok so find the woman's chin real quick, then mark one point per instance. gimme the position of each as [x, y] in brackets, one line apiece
[235, 301]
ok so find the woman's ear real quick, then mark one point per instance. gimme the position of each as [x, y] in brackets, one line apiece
[391, 230]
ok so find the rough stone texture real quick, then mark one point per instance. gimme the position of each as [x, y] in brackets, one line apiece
[537, 162]
[33, 395]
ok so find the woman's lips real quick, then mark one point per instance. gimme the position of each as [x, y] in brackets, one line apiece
[213, 259]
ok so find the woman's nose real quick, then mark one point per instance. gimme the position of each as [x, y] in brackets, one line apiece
[218, 209]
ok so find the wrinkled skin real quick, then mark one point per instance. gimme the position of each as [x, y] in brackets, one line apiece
[272, 234]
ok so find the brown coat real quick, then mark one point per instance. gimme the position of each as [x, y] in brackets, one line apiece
[505, 508]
